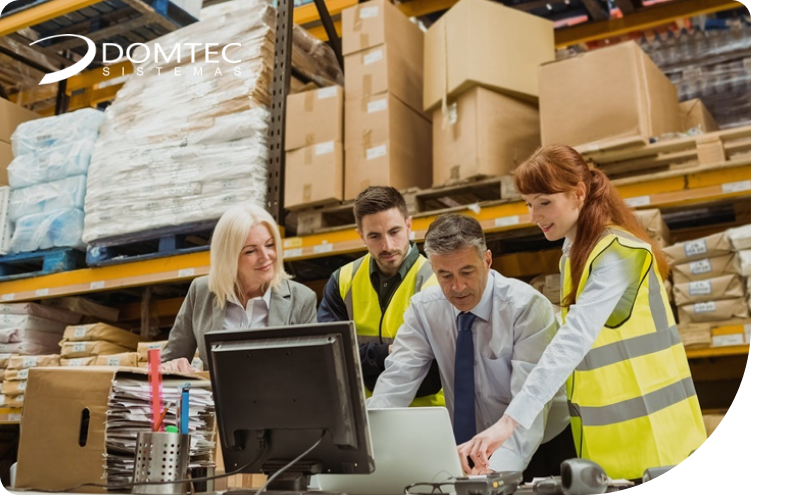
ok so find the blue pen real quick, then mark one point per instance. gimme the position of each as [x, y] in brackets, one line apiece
[185, 409]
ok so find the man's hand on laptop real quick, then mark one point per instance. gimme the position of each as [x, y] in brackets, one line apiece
[484, 444]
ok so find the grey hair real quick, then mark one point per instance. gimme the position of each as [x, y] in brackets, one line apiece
[452, 232]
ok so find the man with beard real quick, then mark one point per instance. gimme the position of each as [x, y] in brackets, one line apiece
[375, 290]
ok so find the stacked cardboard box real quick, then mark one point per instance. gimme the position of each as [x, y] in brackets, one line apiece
[86, 342]
[708, 288]
[696, 118]
[653, 224]
[16, 375]
[387, 135]
[30, 328]
[143, 348]
[481, 83]
[314, 148]
[610, 97]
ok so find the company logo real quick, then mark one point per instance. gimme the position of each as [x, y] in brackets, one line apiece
[195, 52]
[72, 69]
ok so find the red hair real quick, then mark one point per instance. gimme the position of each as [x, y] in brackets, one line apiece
[557, 169]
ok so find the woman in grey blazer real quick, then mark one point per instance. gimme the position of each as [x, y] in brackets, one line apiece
[247, 287]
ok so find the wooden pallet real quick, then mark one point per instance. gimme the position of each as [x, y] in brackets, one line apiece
[420, 202]
[157, 243]
[24, 265]
[675, 154]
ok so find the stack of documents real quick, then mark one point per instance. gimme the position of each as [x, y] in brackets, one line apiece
[129, 414]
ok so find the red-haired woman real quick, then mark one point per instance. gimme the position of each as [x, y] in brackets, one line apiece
[631, 397]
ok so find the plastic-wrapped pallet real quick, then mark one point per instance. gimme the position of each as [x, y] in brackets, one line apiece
[48, 177]
[193, 144]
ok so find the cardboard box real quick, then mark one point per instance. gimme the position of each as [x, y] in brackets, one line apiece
[63, 403]
[314, 117]
[370, 24]
[23, 362]
[713, 289]
[4, 358]
[711, 422]
[83, 306]
[41, 310]
[481, 43]
[706, 268]
[143, 347]
[12, 115]
[314, 175]
[394, 67]
[713, 311]
[5, 159]
[482, 133]
[123, 359]
[102, 332]
[739, 237]
[706, 247]
[11, 375]
[606, 98]
[743, 258]
[11, 388]
[387, 143]
[653, 224]
[89, 348]
[695, 115]
[80, 361]
[695, 334]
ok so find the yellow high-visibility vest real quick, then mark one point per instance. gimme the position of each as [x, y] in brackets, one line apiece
[364, 307]
[632, 400]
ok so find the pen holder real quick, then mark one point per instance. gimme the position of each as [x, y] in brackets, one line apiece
[161, 457]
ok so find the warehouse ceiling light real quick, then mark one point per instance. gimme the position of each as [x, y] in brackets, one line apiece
[196, 52]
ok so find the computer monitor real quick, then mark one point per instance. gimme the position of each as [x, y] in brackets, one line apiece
[279, 390]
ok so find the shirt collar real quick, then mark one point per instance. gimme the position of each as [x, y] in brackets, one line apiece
[411, 257]
[265, 298]
[484, 308]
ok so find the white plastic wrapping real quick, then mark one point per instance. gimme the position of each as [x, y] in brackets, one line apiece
[62, 194]
[41, 135]
[59, 228]
[739, 237]
[63, 159]
[24, 323]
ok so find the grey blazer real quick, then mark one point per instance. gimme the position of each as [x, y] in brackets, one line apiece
[289, 304]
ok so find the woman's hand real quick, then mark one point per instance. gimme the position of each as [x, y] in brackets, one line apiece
[180, 364]
[484, 444]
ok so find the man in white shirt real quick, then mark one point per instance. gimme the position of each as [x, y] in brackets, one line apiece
[486, 332]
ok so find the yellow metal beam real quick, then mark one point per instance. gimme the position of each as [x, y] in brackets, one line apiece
[319, 31]
[308, 13]
[41, 13]
[647, 18]
[88, 79]
[732, 350]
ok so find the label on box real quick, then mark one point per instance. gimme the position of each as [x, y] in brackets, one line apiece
[114, 361]
[22, 374]
[701, 288]
[506, 221]
[700, 266]
[75, 362]
[732, 187]
[79, 347]
[29, 362]
[293, 253]
[368, 12]
[80, 332]
[452, 113]
[376, 152]
[323, 248]
[22, 386]
[747, 333]
[197, 363]
[100, 284]
[325, 93]
[42, 292]
[637, 201]
[15, 417]
[729, 339]
[154, 345]
[372, 57]
[377, 106]
[5, 356]
[705, 307]
[186, 272]
[324, 148]
[8, 297]
[693, 248]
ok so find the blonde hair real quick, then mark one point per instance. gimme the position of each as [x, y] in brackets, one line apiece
[227, 242]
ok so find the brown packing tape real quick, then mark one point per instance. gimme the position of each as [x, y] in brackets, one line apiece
[363, 40]
[366, 85]
[308, 101]
[310, 139]
[455, 172]
[366, 139]
[308, 155]
[307, 192]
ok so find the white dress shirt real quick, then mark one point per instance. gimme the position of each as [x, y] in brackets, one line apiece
[254, 315]
[612, 282]
[514, 324]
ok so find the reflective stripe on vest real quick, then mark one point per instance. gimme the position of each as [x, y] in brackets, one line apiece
[632, 400]
[363, 306]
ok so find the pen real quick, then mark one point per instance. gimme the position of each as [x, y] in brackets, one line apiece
[184, 412]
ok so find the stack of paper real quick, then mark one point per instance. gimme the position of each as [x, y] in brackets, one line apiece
[129, 414]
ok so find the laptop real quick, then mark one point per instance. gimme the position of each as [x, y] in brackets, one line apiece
[410, 445]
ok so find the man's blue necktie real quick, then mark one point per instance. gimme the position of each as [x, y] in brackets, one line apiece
[464, 408]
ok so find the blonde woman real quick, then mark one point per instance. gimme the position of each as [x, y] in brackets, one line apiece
[246, 288]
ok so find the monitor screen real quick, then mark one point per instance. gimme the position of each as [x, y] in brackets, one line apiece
[279, 390]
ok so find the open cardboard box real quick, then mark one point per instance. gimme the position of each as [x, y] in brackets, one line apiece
[62, 433]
